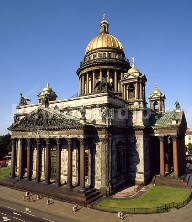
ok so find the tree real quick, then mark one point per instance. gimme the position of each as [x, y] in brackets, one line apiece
[5, 144]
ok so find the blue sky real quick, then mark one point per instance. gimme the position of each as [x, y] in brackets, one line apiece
[44, 41]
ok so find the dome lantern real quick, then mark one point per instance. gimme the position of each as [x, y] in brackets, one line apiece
[104, 26]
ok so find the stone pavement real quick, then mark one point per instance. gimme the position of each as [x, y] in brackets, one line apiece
[92, 215]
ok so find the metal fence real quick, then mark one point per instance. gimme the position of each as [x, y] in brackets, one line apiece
[158, 209]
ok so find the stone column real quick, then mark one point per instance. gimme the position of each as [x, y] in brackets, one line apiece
[38, 158]
[166, 158]
[58, 162]
[13, 158]
[141, 91]
[100, 75]
[144, 93]
[47, 162]
[124, 92]
[82, 164]
[29, 169]
[108, 75]
[21, 158]
[136, 91]
[93, 81]
[69, 174]
[87, 83]
[121, 87]
[175, 157]
[162, 158]
[82, 84]
[115, 81]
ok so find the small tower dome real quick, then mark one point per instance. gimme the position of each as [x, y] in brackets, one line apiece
[47, 91]
[157, 100]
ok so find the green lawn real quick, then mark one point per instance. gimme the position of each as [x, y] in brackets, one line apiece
[155, 196]
[4, 172]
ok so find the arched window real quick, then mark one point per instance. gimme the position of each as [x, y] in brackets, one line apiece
[131, 93]
[156, 106]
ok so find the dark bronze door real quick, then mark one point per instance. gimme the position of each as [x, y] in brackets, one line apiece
[53, 164]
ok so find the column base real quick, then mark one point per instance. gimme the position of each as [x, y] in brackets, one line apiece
[82, 189]
[69, 187]
[58, 184]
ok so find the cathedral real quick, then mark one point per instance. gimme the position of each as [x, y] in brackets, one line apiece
[106, 136]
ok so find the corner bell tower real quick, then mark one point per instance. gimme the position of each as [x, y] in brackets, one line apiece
[157, 100]
[133, 85]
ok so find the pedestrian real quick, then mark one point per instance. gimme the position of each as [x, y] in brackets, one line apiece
[121, 215]
[49, 201]
[38, 197]
[75, 207]
[26, 195]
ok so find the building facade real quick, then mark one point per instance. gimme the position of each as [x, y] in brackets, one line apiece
[106, 136]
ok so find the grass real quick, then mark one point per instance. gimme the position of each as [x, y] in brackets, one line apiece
[4, 172]
[155, 196]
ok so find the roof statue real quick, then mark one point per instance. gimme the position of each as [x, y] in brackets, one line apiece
[177, 105]
[83, 113]
[45, 100]
[103, 86]
[23, 100]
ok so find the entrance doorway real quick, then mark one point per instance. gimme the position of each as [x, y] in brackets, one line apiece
[53, 163]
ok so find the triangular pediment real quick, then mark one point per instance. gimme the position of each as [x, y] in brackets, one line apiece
[45, 119]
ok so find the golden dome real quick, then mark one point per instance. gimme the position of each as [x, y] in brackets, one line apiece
[47, 89]
[104, 40]
[156, 90]
[133, 69]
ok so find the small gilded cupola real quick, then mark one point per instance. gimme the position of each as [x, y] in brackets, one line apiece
[48, 93]
[104, 25]
[157, 100]
[134, 87]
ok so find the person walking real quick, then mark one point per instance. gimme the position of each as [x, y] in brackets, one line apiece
[49, 201]
[75, 207]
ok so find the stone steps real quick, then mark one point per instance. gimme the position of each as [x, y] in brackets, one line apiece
[61, 193]
[170, 181]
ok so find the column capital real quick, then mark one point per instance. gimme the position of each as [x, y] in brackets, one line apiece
[58, 140]
[174, 138]
[13, 140]
[47, 140]
[161, 138]
[82, 141]
[38, 140]
[103, 140]
[69, 141]
[28, 140]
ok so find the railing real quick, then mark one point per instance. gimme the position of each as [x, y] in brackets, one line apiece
[158, 209]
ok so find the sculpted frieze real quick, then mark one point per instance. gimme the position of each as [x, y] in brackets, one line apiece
[44, 120]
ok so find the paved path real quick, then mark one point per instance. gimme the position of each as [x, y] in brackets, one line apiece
[86, 215]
